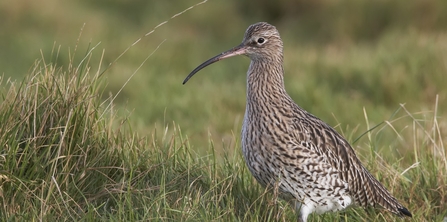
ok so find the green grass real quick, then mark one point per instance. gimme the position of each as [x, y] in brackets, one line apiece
[131, 143]
[67, 156]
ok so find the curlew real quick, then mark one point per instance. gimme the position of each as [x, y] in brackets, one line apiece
[311, 164]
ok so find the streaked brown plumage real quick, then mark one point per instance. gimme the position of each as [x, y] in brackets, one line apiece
[312, 165]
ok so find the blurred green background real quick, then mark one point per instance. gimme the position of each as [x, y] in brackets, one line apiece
[341, 56]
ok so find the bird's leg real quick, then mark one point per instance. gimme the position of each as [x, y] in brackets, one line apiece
[303, 210]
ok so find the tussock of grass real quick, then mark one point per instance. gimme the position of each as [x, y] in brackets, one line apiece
[58, 145]
[66, 156]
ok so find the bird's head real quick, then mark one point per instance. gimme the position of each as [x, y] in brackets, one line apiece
[261, 43]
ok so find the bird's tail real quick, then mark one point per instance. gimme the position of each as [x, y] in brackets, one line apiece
[383, 198]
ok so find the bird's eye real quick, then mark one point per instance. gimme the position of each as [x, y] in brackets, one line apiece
[261, 40]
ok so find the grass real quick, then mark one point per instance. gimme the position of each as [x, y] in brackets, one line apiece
[72, 150]
[68, 156]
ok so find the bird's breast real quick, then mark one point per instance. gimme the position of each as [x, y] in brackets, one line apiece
[261, 146]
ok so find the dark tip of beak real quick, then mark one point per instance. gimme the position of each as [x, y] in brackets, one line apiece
[238, 50]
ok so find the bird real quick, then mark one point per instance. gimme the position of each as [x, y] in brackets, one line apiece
[310, 164]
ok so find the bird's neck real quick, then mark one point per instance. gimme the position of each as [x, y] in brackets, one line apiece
[265, 83]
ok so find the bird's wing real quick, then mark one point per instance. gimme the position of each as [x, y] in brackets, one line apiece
[327, 143]
[313, 176]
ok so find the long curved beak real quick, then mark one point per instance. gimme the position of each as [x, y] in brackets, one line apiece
[238, 50]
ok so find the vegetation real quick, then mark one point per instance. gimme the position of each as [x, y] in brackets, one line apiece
[72, 150]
